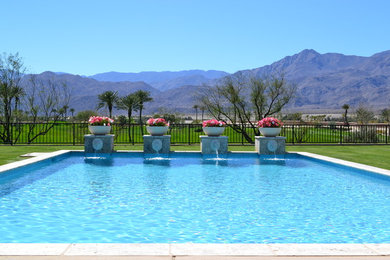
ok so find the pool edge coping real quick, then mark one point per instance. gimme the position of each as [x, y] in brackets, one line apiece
[192, 249]
[39, 158]
[359, 166]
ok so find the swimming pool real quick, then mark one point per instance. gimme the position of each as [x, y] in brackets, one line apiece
[243, 198]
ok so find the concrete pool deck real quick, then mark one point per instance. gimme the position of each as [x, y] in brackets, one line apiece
[189, 250]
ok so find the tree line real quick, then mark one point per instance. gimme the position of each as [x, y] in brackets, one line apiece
[130, 103]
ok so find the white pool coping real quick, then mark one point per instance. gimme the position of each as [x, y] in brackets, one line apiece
[34, 159]
[192, 249]
[346, 163]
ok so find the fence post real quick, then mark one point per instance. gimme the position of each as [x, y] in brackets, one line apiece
[341, 134]
[132, 133]
[11, 134]
[242, 136]
[129, 133]
[293, 134]
[189, 134]
[74, 133]
[386, 133]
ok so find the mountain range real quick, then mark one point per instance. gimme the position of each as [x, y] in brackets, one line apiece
[163, 80]
[324, 82]
[327, 81]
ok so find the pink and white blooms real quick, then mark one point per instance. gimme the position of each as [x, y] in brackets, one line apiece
[157, 122]
[269, 122]
[100, 120]
[213, 123]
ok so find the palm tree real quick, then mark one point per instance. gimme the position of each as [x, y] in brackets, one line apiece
[72, 111]
[142, 97]
[108, 99]
[196, 112]
[128, 103]
[65, 111]
[346, 107]
[17, 93]
[202, 108]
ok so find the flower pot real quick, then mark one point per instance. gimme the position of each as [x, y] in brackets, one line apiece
[270, 131]
[157, 130]
[213, 131]
[99, 129]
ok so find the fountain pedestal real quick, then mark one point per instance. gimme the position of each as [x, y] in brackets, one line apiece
[98, 143]
[213, 144]
[157, 144]
[270, 145]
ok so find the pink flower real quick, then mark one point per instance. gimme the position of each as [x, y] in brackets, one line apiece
[99, 120]
[157, 122]
[213, 123]
[269, 122]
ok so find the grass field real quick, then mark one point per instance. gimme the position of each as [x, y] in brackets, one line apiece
[374, 155]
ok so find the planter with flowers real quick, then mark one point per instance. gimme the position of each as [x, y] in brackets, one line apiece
[157, 126]
[270, 126]
[100, 125]
[213, 127]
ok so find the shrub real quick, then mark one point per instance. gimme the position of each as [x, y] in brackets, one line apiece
[85, 115]
[122, 120]
[366, 134]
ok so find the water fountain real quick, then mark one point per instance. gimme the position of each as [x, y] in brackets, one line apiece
[270, 145]
[94, 144]
[157, 145]
[213, 145]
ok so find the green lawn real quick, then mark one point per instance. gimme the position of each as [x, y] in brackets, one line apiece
[375, 155]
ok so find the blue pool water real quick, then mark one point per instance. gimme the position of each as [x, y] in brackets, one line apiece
[187, 198]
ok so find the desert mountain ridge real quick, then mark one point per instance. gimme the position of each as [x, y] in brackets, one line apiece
[163, 80]
[324, 82]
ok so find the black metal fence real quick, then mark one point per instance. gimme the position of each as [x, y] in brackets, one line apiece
[319, 133]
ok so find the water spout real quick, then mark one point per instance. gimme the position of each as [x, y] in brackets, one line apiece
[97, 145]
[156, 145]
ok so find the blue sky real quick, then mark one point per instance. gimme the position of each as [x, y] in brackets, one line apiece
[90, 36]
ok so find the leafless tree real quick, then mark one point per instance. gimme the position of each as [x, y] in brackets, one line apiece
[240, 99]
[45, 100]
[40, 99]
[11, 73]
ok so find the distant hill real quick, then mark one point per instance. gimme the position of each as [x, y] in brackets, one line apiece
[163, 80]
[324, 82]
[327, 81]
[85, 90]
[180, 99]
